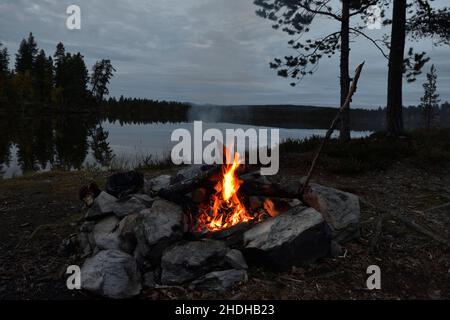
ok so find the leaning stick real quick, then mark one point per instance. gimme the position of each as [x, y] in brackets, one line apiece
[333, 125]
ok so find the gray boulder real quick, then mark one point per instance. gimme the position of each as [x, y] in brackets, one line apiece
[295, 237]
[87, 243]
[127, 226]
[112, 274]
[340, 209]
[159, 226]
[220, 281]
[109, 234]
[154, 185]
[132, 204]
[102, 206]
[189, 260]
[149, 280]
[103, 234]
[235, 259]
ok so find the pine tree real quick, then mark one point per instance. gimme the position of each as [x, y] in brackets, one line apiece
[430, 99]
[26, 55]
[4, 73]
[102, 72]
[43, 68]
[75, 80]
[59, 58]
[4, 61]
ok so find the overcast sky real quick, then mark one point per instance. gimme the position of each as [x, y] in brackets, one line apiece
[202, 51]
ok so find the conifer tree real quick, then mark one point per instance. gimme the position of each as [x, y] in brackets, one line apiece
[26, 55]
[429, 105]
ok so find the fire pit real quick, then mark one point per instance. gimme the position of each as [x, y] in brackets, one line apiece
[202, 228]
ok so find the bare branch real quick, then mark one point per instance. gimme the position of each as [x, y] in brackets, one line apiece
[317, 11]
[371, 40]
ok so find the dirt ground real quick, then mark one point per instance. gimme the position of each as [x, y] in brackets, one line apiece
[38, 212]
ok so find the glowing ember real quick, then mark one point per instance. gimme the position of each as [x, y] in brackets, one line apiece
[269, 206]
[227, 209]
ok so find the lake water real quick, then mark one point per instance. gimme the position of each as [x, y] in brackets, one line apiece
[71, 144]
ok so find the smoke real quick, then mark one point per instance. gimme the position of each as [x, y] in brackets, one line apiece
[218, 113]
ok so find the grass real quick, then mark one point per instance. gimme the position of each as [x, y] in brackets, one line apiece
[423, 148]
[139, 162]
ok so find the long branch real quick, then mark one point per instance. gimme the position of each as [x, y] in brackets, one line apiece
[325, 13]
[306, 56]
[371, 40]
[333, 125]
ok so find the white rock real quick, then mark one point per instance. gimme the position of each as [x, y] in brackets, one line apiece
[112, 274]
[160, 226]
[340, 209]
[133, 204]
[152, 186]
[103, 205]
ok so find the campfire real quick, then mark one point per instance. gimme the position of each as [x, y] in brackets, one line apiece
[226, 207]
[204, 226]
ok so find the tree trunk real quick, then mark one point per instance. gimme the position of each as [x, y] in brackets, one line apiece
[344, 70]
[394, 119]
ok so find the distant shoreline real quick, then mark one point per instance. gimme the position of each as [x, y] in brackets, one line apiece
[283, 116]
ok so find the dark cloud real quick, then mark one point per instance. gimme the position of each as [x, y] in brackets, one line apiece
[204, 51]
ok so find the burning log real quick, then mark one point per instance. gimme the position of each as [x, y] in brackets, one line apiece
[184, 186]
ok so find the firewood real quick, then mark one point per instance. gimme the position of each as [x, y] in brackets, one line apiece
[186, 186]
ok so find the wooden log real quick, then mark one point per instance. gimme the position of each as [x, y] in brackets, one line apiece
[187, 185]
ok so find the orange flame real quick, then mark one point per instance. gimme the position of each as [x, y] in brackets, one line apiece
[227, 209]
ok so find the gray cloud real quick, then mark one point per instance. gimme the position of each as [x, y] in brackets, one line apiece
[203, 51]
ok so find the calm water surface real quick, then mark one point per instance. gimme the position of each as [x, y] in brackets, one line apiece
[71, 144]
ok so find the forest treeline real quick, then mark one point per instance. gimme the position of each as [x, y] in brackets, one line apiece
[135, 110]
[41, 83]
[312, 117]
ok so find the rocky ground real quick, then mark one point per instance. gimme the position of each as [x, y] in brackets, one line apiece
[38, 212]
